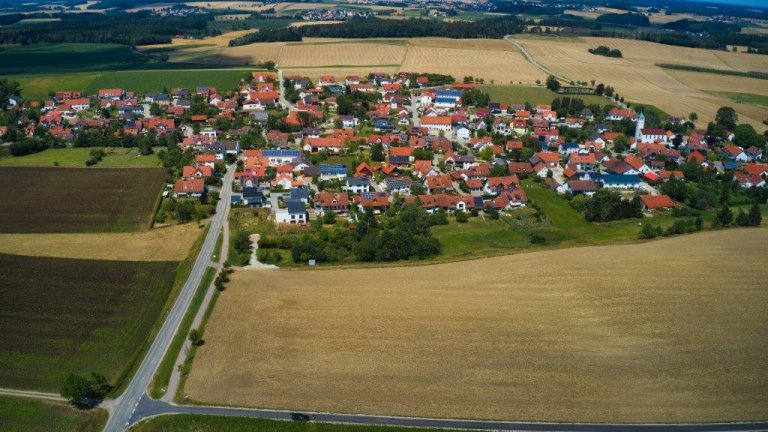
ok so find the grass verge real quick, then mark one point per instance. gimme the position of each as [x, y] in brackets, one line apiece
[164, 371]
[33, 415]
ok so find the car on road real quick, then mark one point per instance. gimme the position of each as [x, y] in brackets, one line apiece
[299, 417]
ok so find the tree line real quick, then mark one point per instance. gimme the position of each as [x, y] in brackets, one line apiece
[491, 28]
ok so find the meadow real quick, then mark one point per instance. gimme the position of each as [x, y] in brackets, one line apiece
[534, 95]
[67, 200]
[620, 333]
[76, 157]
[70, 315]
[31, 415]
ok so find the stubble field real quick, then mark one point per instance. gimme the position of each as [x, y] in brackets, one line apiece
[66, 200]
[667, 331]
[637, 78]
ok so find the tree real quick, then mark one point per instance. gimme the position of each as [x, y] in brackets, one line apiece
[377, 153]
[727, 118]
[620, 144]
[81, 391]
[755, 216]
[196, 337]
[600, 89]
[693, 117]
[552, 83]
[725, 216]
[746, 136]
[461, 217]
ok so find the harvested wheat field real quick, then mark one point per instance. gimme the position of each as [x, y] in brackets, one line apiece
[638, 79]
[352, 54]
[674, 330]
[160, 244]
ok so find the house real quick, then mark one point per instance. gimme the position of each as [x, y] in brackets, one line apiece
[378, 201]
[203, 171]
[399, 185]
[280, 157]
[357, 185]
[205, 160]
[579, 187]
[462, 133]
[618, 166]
[253, 197]
[299, 193]
[549, 159]
[400, 155]
[113, 93]
[189, 187]
[735, 153]
[333, 171]
[439, 183]
[449, 203]
[618, 114]
[330, 144]
[436, 124]
[521, 169]
[657, 202]
[497, 185]
[459, 161]
[295, 213]
[331, 202]
[619, 181]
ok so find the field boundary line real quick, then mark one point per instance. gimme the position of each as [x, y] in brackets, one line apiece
[31, 394]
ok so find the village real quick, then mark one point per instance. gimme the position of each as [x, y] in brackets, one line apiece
[343, 145]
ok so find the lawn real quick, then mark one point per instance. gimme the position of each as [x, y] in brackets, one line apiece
[574, 335]
[185, 423]
[76, 157]
[533, 95]
[31, 415]
[479, 237]
[78, 199]
[68, 315]
[140, 81]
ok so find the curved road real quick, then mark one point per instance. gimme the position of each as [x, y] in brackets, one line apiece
[531, 60]
[125, 406]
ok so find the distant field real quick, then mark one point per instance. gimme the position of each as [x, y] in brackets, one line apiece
[197, 423]
[63, 315]
[76, 157]
[61, 56]
[38, 87]
[638, 78]
[70, 200]
[31, 415]
[356, 54]
[746, 98]
[534, 95]
[623, 333]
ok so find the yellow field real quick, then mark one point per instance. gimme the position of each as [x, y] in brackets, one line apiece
[310, 23]
[160, 244]
[674, 330]
[636, 77]
[356, 54]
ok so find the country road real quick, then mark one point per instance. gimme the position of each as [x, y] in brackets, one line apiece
[126, 404]
[533, 61]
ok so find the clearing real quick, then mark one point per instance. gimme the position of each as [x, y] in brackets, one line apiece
[67, 200]
[69, 315]
[623, 333]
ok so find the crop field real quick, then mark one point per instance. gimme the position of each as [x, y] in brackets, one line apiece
[636, 77]
[534, 95]
[621, 333]
[354, 54]
[159, 244]
[65, 56]
[30, 415]
[76, 156]
[68, 200]
[63, 315]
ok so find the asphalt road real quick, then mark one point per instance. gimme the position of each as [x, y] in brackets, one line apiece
[125, 406]
[150, 408]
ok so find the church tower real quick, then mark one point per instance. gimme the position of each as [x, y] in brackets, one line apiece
[640, 126]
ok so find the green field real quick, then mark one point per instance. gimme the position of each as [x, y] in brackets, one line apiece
[31, 415]
[197, 423]
[533, 95]
[76, 157]
[140, 81]
[70, 56]
[78, 199]
[745, 98]
[68, 315]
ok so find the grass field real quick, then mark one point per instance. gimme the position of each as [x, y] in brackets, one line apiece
[746, 98]
[185, 423]
[65, 315]
[534, 95]
[31, 415]
[665, 331]
[158, 244]
[76, 157]
[71, 56]
[141, 81]
[67, 200]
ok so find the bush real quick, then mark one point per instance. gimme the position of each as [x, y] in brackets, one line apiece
[196, 337]
[537, 238]
[461, 217]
